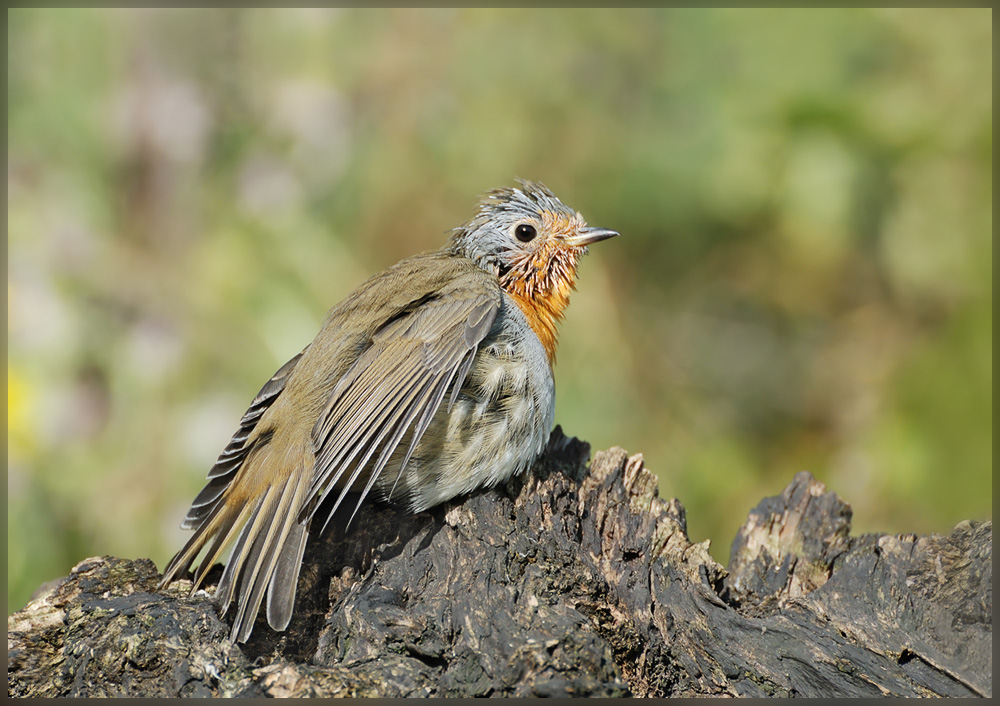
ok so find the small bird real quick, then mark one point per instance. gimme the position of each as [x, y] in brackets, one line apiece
[430, 380]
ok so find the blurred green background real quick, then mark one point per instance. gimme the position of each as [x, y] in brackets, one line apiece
[804, 277]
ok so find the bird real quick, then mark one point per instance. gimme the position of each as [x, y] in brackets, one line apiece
[430, 380]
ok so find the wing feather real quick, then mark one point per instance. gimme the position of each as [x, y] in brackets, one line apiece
[385, 431]
[396, 386]
[356, 436]
[209, 516]
[235, 454]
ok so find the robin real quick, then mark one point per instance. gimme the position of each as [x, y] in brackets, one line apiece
[430, 380]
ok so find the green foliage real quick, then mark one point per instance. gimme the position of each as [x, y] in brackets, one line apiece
[804, 277]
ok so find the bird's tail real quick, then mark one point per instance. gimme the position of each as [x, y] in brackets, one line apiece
[257, 505]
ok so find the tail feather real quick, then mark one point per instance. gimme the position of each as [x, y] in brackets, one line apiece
[219, 520]
[223, 536]
[239, 506]
[247, 560]
[281, 590]
[268, 541]
[224, 591]
[230, 577]
[238, 575]
[265, 545]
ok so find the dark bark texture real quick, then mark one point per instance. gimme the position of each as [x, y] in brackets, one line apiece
[572, 580]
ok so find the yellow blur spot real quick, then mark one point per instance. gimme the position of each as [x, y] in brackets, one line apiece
[19, 402]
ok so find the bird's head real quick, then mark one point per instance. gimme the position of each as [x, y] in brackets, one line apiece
[532, 242]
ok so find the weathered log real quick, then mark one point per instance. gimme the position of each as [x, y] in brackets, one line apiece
[567, 581]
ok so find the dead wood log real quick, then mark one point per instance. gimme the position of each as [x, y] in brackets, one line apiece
[571, 580]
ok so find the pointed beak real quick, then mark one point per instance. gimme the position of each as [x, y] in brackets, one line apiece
[586, 236]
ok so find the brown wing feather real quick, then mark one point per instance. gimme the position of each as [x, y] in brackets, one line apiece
[208, 515]
[258, 550]
[396, 386]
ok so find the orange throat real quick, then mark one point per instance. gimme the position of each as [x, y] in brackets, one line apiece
[543, 309]
[541, 280]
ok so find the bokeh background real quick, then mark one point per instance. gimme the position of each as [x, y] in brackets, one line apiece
[804, 277]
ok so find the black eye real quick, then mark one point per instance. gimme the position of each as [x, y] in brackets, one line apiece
[525, 233]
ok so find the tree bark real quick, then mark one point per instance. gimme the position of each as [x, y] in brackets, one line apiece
[568, 581]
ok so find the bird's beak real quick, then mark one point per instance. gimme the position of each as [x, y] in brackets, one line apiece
[586, 236]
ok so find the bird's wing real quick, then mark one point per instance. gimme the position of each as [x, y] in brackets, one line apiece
[236, 451]
[207, 506]
[398, 383]
[380, 366]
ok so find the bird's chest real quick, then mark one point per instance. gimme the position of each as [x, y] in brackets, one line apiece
[510, 390]
[500, 421]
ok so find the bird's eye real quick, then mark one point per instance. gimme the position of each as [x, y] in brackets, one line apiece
[525, 233]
